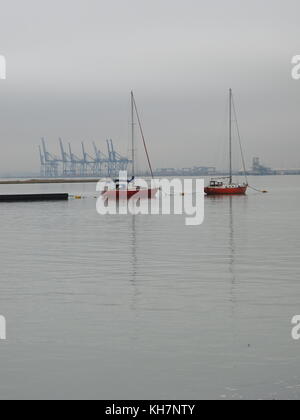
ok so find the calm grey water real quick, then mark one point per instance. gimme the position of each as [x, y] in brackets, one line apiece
[145, 307]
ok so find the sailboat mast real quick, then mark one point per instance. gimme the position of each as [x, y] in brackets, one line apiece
[230, 136]
[132, 134]
[142, 134]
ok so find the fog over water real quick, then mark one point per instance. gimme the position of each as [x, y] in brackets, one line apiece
[71, 65]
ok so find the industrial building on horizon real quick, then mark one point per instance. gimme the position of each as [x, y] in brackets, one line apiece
[257, 169]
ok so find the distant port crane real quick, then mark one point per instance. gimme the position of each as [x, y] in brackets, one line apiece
[116, 162]
[68, 164]
[51, 162]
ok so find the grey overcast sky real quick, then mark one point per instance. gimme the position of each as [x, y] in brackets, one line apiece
[72, 63]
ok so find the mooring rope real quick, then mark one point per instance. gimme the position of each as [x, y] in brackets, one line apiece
[256, 189]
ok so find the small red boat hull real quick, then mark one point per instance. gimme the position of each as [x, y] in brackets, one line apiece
[226, 190]
[128, 194]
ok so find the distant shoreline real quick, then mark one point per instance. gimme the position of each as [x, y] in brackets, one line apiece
[96, 180]
[49, 181]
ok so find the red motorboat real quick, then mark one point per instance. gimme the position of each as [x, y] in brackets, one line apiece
[218, 186]
[125, 189]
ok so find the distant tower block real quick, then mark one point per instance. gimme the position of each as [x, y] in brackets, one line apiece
[256, 163]
[259, 169]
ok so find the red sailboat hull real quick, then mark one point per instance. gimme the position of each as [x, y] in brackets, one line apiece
[226, 190]
[128, 194]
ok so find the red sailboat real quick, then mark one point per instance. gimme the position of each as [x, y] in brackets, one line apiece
[126, 189]
[226, 186]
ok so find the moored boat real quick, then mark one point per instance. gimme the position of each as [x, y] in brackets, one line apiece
[219, 186]
[127, 189]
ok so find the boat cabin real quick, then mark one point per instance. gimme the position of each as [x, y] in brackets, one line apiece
[215, 183]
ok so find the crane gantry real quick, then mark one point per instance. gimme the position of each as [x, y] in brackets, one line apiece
[68, 164]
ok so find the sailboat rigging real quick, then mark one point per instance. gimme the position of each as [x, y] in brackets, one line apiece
[218, 186]
[129, 189]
